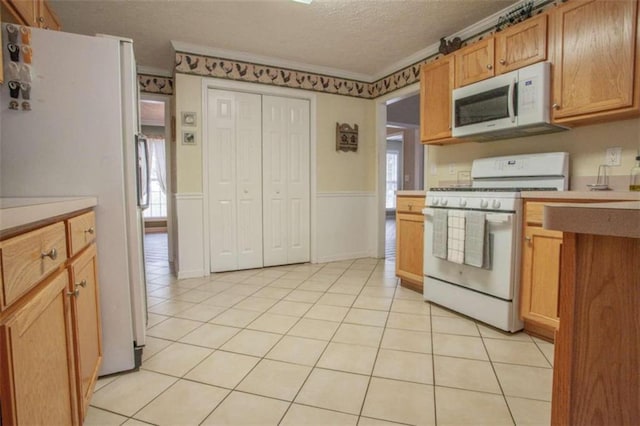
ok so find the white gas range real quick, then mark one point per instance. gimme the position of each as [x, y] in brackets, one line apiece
[472, 236]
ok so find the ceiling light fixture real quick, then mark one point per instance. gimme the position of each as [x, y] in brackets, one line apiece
[303, 1]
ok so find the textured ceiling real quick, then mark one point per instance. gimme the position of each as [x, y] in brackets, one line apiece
[357, 36]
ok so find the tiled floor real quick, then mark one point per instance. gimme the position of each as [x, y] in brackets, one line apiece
[330, 344]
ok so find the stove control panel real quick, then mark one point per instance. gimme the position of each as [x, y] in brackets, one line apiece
[493, 201]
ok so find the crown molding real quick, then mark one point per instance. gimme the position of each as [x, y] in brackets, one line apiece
[159, 72]
[179, 46]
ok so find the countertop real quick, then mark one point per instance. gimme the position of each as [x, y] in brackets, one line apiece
[583, 195]
[618, 219]
[411, 193]
[15, 212]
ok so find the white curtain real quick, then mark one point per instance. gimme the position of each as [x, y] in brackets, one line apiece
[158, 162]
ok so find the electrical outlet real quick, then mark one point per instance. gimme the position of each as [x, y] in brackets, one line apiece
[452, 168]
[612, 156]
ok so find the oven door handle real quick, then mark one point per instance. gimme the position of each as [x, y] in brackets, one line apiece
[499, 217]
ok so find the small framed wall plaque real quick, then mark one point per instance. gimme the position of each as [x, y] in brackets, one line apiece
[189, 119]
[188, 138]
[346, 137]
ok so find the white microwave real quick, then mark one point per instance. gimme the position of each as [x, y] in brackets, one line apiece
[509, 105]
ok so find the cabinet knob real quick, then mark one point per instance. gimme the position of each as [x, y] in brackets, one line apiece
[410, 207]
[74, 293]
[82, 284]
[489, 66]
[41, 19]
[90, 231]
[555, 106]
[502, 61]
[528, 239]
[52, 254]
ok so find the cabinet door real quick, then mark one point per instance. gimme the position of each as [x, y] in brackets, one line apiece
[47, 19]
[25, 11]
[37, 359]
[409, 247]
[475, 62]
[521, 45]
[595, 57]
[436, 84]
[541, 277]
[86, 324]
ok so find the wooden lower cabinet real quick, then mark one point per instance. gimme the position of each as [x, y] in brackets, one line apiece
[50, 336]
[38, 376]
[409, 241]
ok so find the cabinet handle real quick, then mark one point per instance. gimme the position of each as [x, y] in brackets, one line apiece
[489, 66]
[82, 284]
[74, 293]
[410, 207]
[502, 61]
[52, 254]
[40, 19]
[555, 106]
[90, 231]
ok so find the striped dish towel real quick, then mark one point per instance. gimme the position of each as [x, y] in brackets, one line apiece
[455, 236]
[474, 244]
[439, 239]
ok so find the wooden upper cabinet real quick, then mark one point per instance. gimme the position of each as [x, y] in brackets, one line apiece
[521, 45]
[32, 13]
[436, 84]
[595, 55]
[475, 62]
[47, 18]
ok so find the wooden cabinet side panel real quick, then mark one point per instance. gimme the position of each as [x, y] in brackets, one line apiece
[594, 64]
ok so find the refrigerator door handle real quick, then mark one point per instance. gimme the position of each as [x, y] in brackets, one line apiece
[143, 172]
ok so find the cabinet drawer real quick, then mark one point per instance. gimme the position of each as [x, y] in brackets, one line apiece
[28, 258]
[409, 204]
[82, 232]
[533, 213]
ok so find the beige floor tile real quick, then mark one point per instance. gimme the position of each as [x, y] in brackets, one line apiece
[272, 293]
[459, 346]
[351, 289]
[547, 350]
[409, 321]
[201, 312]
[406, 340]
[235, 318]
[224, 300]
[210, 335]
[525, 382]
[462, 407]
[304, 296]
[400, 402]
[367, 421]
[405, 293]
[303, 415]
[258, 304]
[515, 352]
[315, 286]
[183, 403]
[234, 411]
[243, 289]
[314, 329]
[358, 335]
[450, 325]
[494, 333]
[297, 350]
[336, 299]
[214, 287]
[251, 342]
[134, 422]
[170, 307]
[366, 317]
[98, 417]
[152, 346]
[154, 319]
[378, 291]
[334, 390]
[130, 392]
[275, 379]
[259, 280]
[349, 358]
[327, 313]
[273, 323]
[375, 303]
[440, 311]
[283, 282]
[294, 309]
[415, 307]
[103, 381]
[529, 411]
[191, 283]
[194, 296]
[173, 328]
[176, 359]
[223, 369]
[407, 366]
[167, 292]
[153, 301]
[465, 374]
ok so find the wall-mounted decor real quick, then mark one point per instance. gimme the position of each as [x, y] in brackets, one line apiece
[516, 15]
[189, 119]
[188, 138]
[346, 137]
[448, 46]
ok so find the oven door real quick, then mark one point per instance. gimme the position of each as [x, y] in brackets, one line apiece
[499, 277]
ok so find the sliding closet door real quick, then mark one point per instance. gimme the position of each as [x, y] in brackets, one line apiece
[285, 180]
[235, 180]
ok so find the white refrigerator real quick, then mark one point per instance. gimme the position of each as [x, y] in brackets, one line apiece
[81, 138]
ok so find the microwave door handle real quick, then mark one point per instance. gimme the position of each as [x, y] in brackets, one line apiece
[511, 102]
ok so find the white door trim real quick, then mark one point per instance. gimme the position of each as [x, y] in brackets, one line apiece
[239, 86]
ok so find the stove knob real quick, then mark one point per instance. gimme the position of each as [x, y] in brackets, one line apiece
[484, 204]
[435, 202]
[463, 202]
[443, 201]
[496, 204]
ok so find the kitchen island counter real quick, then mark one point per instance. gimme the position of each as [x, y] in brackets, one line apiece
[20, 212]
[583, 195]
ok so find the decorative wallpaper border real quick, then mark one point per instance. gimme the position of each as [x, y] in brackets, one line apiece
[207, 66]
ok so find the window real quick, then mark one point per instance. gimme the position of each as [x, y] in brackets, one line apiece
[392, 178]
[158, 192]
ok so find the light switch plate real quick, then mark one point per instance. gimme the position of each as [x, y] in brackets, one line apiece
[613, 156]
